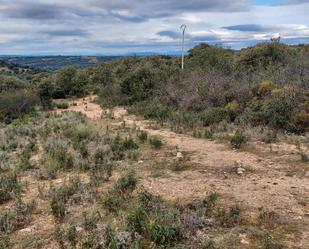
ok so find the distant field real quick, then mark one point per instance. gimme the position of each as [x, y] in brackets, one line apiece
[56, 62]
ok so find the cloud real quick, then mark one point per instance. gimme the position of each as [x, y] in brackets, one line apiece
[248, 28]
[169, 34]
[66, 32]
[116, 26]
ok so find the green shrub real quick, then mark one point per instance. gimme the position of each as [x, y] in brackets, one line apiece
[229, 218]
[266, 87]
[111, 240]
[136, 220]
[156, 111]
[127, 183]
[301, 120]
[166, 227]
[113, 201]
[58, 208]
[129, 144]
[57, 150]
[15, 104]
[103, 165]
[9, 185]
[232, 109]
[62, 105]
[139, 84]
[143, 136]
[238, 139]
[5, 242]
[213, 116]
[156, 142]
[16, 217]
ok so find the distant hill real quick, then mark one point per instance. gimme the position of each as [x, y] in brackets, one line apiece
[11, 68]
[50, 63]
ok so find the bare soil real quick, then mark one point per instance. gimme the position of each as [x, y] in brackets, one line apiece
[273, 180]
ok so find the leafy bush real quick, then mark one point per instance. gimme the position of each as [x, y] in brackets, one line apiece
[9, 184]
[142, 136]
[212, 116]
[238, 139]
[62, 104]
[9, 83]
[232, 109]
[266, 87]
[15, 104]
[16, 217]
[127, 183]
[58, 208]
[139, 84]
[156, 142]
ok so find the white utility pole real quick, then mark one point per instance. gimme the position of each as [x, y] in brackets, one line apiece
[183, 28]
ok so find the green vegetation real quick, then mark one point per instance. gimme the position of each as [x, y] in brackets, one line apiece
[96, 181]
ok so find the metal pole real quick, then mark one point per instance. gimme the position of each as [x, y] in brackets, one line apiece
[183, 28]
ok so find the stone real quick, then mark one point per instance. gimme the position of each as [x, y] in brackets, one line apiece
[240, 171]
[179, 155]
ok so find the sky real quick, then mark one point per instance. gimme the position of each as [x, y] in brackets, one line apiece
[117, 27]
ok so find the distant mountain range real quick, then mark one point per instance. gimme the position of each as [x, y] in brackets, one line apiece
[50, 63]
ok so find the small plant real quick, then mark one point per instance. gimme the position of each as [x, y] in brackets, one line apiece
[230, 217]
[143, 136]
[156, 142]
[136, 220]
[113, 201]
[58, 209]
[238, 139]
[179, 166]
[5, 242]
[62, 105]
[208, 133]
[129, 144]
[270, 137]
[127, 183]
[9, 184]
[111, 240]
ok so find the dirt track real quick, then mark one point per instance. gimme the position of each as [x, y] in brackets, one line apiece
[265, 183]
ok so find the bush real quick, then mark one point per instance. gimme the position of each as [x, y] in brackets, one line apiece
[16, 217]
[213, 116]
[103, 165]
[156, 142]
[142, 136]
[5, 242]
[266, 87]
[9, 83]
[9, 184]
[301, 120]
[15, 104]
[62, 105]
[232, 109]
[238, 139]
[136, 220]
[156, 110]
[58, 208]
[139, 84]
[127, 183]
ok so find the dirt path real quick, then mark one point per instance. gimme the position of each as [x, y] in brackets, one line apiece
[264, 183]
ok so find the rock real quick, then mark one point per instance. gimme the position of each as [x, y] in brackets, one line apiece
[140, 162]
[179, 155]
[244, 240]
[240, 171]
